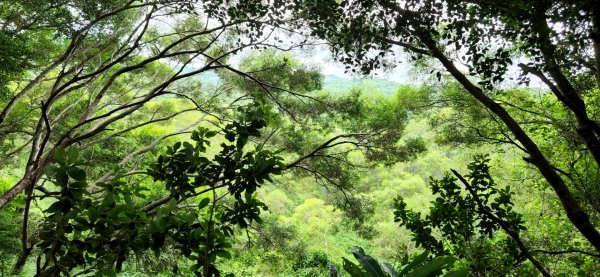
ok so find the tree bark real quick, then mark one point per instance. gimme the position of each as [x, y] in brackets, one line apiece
[21, 260]
[510, 230]
[595, 37]
[588, 129]
[30, 178]
[575, 213]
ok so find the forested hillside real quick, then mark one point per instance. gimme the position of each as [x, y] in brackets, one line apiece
[197, 138]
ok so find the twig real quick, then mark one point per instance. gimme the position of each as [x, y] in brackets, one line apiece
[510, 230]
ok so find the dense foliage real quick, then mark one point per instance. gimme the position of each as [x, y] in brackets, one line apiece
[183, 137]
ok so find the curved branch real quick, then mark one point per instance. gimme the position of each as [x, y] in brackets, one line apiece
[325, 145]
[569, 251]
[510, 230]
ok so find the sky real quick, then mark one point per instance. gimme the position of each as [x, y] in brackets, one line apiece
[322, 58]
[404, 73]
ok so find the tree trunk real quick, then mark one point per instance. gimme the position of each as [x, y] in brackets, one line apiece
[30, 178]
[575, 213]
[21, 260]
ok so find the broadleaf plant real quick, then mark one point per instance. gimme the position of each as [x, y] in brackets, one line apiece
[419, 266]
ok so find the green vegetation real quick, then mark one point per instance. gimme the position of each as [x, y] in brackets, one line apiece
[185, 138]
[419, 266]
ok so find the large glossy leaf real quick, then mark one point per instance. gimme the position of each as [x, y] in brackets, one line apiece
[223, 254]
[389, 269]
[353, 269]
[420, 259]
[368, 263]
[432, 267]
[463, 272]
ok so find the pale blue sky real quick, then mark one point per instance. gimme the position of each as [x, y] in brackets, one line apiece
[322, 58]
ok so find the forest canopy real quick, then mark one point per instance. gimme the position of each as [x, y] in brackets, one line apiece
[189, 137]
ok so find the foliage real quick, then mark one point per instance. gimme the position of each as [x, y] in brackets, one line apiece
[418, 266]
[92, 92]
[9, 244]
[487, 37]
[100, 232]
[360, 209]
[457, 217]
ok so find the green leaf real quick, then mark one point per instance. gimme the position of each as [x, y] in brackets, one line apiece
[368, 263]
[418, 260]
[106, 272]
[171, 205]
[389, 269]
[76, 173]
[353, 269]
[223, 254]
[194, 267]
[195, 136]
[72, 155]
[203, 203]
[82, 221]
[210, 134]
[62, 178]
[430, 268]
[54, 207]
[463, 272]
[59, 155]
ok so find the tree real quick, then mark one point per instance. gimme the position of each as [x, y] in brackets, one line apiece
[463, 219]
[487, 36]
[97, 226]
[111, 60]
[89, 231]
[141, 76]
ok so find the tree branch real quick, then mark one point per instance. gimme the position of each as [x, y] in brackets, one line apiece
[510, 230]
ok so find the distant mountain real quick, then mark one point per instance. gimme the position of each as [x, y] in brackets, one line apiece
[331, 83]
[337, 84]
[209, 77]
